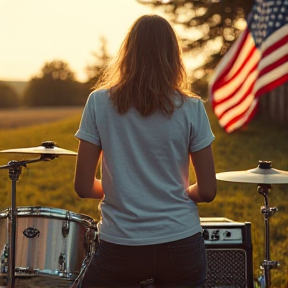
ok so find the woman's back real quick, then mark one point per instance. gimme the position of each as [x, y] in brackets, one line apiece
[145, 169]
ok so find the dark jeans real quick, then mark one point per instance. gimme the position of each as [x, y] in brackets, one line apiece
[178, 264]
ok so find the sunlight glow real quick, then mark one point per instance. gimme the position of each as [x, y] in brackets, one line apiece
[37, 31]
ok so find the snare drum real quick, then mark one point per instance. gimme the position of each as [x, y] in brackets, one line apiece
[49, 241]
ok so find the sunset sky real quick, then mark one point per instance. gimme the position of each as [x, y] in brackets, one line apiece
[33, 32]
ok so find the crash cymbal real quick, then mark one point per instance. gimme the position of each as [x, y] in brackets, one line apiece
[47, 147]
[263, 174]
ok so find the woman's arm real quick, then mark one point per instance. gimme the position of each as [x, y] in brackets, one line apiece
[205, 188]
[85, 183]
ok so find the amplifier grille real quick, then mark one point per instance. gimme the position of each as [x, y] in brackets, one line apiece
[226, 268]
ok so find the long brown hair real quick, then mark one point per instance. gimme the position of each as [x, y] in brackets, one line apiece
[148, 69]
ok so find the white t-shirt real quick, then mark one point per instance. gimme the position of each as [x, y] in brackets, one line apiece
[145, 169]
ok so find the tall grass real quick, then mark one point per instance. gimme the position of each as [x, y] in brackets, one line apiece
[51, 183]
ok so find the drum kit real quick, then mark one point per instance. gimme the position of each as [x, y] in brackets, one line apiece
[59, 244]
[51, 246]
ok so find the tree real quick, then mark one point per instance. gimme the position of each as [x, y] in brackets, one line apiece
[206, 27]
[8, 96]
[95, 71]
[55, 86]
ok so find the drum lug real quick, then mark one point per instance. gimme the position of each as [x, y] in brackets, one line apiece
[62, 262]
[4, 259]
[66, 225]
[91, 236]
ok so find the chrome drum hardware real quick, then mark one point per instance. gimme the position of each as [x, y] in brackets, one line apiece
[49, 241]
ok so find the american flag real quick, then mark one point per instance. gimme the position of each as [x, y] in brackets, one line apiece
[255, 64]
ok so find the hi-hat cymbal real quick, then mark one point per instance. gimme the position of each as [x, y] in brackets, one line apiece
[47, 147]
[257, 175]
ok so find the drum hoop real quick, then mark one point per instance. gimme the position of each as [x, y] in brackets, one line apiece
[4, 214]
[49, 212]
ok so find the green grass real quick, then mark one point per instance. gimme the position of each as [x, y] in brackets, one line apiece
[51, 183]
[44, 183]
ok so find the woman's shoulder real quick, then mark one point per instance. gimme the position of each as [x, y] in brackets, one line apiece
[189, 96]
[98, 98]
[193, 100]
[99, 93]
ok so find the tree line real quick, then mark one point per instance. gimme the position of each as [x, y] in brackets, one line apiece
[56, 85]
[216, 21]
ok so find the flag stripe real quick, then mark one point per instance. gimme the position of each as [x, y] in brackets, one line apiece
[228, 84]
[275, 37]
[256, 63]
[240, 108]
[272, 74]
[238, 97]
[272, 85]
[270, 65]
[226, 63]
[242, 119]
[231, 88]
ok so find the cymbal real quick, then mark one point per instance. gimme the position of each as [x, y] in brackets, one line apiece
[257, 175]
[47, 147]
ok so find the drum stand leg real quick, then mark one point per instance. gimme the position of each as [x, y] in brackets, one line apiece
[15, 168]
[267, 212]
[14, 173]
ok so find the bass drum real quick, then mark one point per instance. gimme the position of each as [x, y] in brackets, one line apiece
[49, 241]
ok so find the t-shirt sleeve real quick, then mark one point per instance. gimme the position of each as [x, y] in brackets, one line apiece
[201, 134]
[88, 130]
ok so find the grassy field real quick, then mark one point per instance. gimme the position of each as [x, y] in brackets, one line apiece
[14, 118]
[51, 183]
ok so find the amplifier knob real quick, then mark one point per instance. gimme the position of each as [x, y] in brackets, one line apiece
[227, 234]
[205, 234]
[215, 235]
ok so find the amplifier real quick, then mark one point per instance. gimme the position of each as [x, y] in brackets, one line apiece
[229, 253]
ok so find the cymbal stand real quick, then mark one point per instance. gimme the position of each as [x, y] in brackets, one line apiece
[267, 212]
[15, 168]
